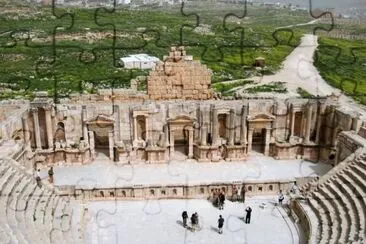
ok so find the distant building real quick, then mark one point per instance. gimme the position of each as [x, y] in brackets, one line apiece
[139, 61]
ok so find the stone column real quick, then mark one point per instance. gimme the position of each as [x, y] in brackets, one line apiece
[204, 135]
[134, 128]
[92, 144]
[292, 123]
[49, 128]
[215, 121]
[117, 124]
[349, 123]
[171, 142]
[198, 125]
[166, 135]
[26, 133]
[268, 138]
[319, 123]
[147, 128]
[85, 127]
[36, 128]
[356, 123]
[334, 135]
[243, 126]
[190, 146]
[308, 124]
[232, 127]
[111, 144]
[250, 138]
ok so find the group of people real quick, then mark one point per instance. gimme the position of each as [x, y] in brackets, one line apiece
[39, 179]
[194, 220]
[220, 221]
[219, 200]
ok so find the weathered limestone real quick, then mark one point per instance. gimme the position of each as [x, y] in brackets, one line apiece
[36, 128]
[49, 128]
[231, 127]
[309, 112]
[92, 145]
[215, 133]
[179, 77]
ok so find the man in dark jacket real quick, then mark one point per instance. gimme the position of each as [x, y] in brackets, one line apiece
[221, 224]
[221, 200]
[249, 212]
[193, 222]
[185, 217]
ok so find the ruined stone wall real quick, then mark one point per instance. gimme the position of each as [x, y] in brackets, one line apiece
[179, 77]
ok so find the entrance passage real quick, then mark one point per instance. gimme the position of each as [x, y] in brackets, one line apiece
[181, 144]
[259, 140]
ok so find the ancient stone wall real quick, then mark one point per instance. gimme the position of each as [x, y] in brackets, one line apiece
[179, 77]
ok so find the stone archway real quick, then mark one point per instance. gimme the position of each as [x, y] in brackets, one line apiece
[181, 132]
[102, 128]
[260, 124]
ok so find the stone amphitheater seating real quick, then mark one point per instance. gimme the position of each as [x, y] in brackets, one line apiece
[29, 213]
[339, 202]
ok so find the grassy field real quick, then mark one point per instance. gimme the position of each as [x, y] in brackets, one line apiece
[86, 54]
[342, 63]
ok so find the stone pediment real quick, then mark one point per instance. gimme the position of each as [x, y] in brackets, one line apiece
[101, 119]
[181, 119]
[261, 117]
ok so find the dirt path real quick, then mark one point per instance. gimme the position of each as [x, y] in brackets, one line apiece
[298, 71]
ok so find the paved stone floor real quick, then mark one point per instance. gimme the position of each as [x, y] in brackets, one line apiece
[104, 173]
[160, 222]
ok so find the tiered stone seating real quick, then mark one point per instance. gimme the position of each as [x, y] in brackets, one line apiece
[339, 202]
[29, 213]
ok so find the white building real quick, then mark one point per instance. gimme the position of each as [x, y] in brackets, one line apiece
[139, 61]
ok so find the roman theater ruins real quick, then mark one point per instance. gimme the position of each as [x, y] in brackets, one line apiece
[179, 127]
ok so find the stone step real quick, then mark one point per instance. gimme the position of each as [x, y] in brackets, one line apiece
[324, 209]
[354, 175]
[22, 207]
[353, 205]
[9, 173]
[347, 224]
[40, 212]
[361, 171]
[325, 231]
[66, 222]
[11, 210]
[353, 184]
[57, 232]
[7, 188]
[29, 215]
[3, 168]
[331, 204]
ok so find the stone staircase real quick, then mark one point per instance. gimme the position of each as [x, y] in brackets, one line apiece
[338, 200]
[29, 213]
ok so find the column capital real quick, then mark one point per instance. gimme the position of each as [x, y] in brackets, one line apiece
[34, 110]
